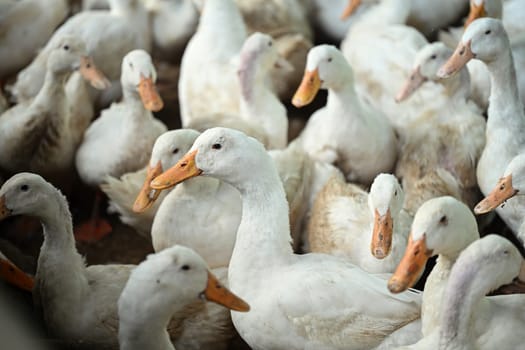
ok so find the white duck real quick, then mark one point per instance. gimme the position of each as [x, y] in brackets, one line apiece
[369, 229]
[260, 111]
[347, 132]
[508, 193]
[43, 134]
[79, 303]
[383, 29]
[440, 151]
[161, 286]
[167, 150]
[469, 319]
[109, 36]
[443, 226]
[121, 139]
[297, 301]
[25, 26]
[208, 82]
[486, 40]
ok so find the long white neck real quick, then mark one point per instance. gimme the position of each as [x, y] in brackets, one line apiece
[263, 237]
[144, 325]
[341, 98]
[52, 93]
[466, 290]
[260, 105]
[221, 23]
[131, 98]
[59, 264]
[433, 294]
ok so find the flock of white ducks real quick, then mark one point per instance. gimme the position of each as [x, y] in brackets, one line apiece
[321, 237]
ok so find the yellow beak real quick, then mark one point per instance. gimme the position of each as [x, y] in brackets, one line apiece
[382, 235]
[219, 294]
[497, 196]
[148, 195]
[91, 73]
[458, 60]
[411, 265]
[183, 170]
[308, 89]
[149, 95]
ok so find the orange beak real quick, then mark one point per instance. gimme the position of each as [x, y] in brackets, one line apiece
[382, 235]
[413, 82]
[497, 196]
[411, 265]
[308, 89]
[350, 8]
[148, 195]
[183, 170]
[4, 211]
[219, 294]
[476, 11]
[13, 275]
[91, 73]
[458, 60]
[149, 95]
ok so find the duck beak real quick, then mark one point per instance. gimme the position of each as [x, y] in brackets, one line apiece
[184, 169]
[149, 95]
[458, 60]
[219, 294]
[413, 82]
[308, 89]
[147, 195]
[410, 266]
[4, 211]
[91, 73]
[382, 235]
[13, 275]
[350, 9]
[476, 11]
[498, 195]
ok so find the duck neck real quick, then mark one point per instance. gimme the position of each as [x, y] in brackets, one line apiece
[341, 98]
[130, 97]
[222, 24]
[433, 295]
[263, 237]
[59, 263]
[52, 92]
[505, 106]
[466, 290]
[135, 317]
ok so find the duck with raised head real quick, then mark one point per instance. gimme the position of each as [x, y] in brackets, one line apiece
[440, 151]
[121, 139]
[442, 226]
[369, 229]
[261, 113]
[109, 36]
[79, 303]
[297, 301]
[485, 39]
[161, 286]
[42, 134]
[347, 131]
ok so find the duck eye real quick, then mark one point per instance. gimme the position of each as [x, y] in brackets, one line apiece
[506, 252]
[185, 267]
[175, 151]
[329, 59]
[443, 220]
[395, 193]
[66, 47]
[24, 188]
[130, 65]
[216, 146]
[270, 43]
[488, 32]
[433, 57]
